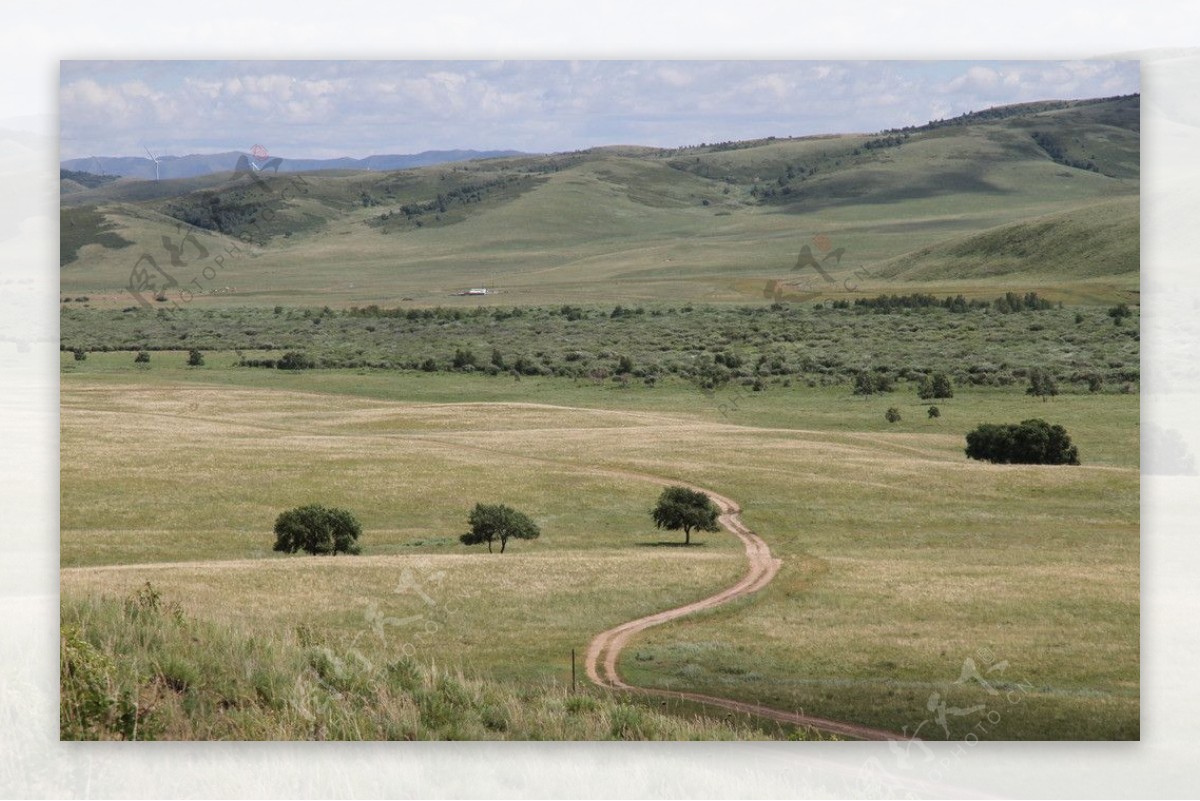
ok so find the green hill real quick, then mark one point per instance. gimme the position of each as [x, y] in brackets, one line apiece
[1087, 242]
[711, 223]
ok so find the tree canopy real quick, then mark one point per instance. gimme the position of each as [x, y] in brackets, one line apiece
[1031, 442]
[687, 509]
[317, 530]
[491, 522]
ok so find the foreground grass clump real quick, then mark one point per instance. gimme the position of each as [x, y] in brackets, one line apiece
[141, 669]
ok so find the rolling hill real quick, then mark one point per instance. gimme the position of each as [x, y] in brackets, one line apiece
[194, 165]
[1033, 197]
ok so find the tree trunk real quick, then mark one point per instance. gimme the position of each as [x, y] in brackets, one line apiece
[489, 546]
[687, 536]
[503, 542]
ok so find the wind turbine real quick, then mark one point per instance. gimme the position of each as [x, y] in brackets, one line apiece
[153, 158]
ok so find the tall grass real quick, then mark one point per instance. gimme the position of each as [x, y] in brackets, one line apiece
[141, 669]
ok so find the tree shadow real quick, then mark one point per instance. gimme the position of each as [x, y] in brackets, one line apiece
[671, 544]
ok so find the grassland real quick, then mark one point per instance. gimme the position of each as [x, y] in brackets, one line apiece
[651, 321]
[900, 558]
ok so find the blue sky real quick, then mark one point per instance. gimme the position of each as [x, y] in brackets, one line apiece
[325, 109]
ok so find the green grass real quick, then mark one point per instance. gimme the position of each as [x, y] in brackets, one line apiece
[901, 558]
[140, 668]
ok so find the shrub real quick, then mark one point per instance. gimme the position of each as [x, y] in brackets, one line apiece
[935, 386]
[1041, 384]
[892, 415]
[1033, 441]
[294, 360]
[80, 354]
[195, 358]
[463, 359]
[934, 412]
[143, 357]
[317, 530]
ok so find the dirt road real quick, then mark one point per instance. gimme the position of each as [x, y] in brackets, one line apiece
[604, 651]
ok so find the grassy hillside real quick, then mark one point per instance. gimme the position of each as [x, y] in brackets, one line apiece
[1098, 241]
[713, 223]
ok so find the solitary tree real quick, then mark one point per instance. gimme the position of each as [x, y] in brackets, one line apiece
[490, 522]
[934, 412]
[316, 530]
[195, 358]
[687, 509]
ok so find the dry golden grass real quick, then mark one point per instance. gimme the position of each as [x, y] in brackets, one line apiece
[900, 557]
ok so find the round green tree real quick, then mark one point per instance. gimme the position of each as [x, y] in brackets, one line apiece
[687, 509]
[317, 530]
[492, 522]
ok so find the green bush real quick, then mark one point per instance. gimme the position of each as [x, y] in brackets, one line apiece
[195, 358]
[317, 530]
[937, 385]
[1033, 441]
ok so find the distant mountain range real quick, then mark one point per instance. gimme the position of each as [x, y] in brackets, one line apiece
[206, 164]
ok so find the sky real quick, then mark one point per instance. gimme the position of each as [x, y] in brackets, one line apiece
[327, 109]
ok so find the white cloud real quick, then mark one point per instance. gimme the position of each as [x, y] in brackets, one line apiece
[364, 107]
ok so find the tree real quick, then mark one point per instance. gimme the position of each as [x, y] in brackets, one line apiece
[195, 358]
[892, 414]
[317, 530]
[1041, 384]
[935, 386]
[934, 412]
[1033, 441]
[491, 522]
[687, 509]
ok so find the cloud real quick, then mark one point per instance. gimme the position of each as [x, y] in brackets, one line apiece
[362, 107]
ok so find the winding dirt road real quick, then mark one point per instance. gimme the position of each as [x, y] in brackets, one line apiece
[604, 651]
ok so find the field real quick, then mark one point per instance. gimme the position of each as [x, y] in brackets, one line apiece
[650, 322]
[889, 580]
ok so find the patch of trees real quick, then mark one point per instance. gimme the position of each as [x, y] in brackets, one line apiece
[459, 196]
[89, 179]
[687, 509]
[1012, 302]
[317, 530]
[881, 142]
[231, 215]
[292, 360]
[497, 522]
[1055, 150]
[1031, 441]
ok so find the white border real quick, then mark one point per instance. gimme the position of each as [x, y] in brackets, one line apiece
[34, 764]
